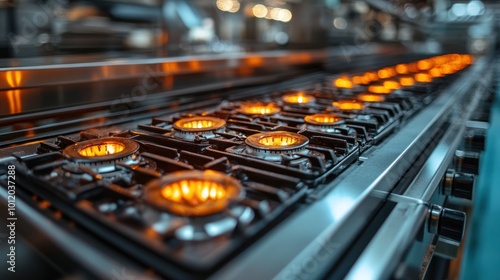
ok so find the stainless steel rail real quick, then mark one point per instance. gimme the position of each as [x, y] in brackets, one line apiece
[116, 68]
[317, 236]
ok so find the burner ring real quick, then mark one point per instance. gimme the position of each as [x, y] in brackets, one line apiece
[108, 149]
[193, 192]
[199, 124]
[323, 122]
[277, 141]
[323, 119]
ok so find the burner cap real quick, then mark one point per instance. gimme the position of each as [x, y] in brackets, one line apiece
[189, 128]
[269, 145]
[193, 192]
[323, 122]
[108, 149]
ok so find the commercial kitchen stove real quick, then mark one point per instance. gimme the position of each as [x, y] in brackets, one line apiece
[323, 175]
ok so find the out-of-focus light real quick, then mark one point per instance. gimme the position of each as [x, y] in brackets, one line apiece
[412, 67]
[361, 7]
[360, 80]
[423, 78]
[348, 105]
[436, 73]
[406, 81]
[440, 60]
[298, 98]
[467, 59]
[340, 23]
[235, 8]
[343, 82]
[379, 89]
[281, 38]
[371, 76]
[411, 11]
[259, 11]
[231, 6]
[459, 9]
[368, 97]
[446, 69]
[284, 15]
[401, 69]
[387, 72]
[475, 8]
[424, 64]
[273, 13]
[392, 85]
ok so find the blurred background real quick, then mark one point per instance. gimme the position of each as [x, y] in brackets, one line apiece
[31, 28]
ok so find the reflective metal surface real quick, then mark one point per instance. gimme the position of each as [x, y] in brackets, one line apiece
[423, 190]
[346, 207]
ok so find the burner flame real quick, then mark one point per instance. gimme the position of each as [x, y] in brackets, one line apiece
[277, 140]
[101, 149]
[343, 82]
[259, 109]
[348, 105]
[298, 98]
[322, 119]
[193, 192]
[380, 89]
[367, 97]
[423, 78]
[199, 124]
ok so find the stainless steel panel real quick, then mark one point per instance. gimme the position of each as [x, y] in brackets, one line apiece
[43, 72]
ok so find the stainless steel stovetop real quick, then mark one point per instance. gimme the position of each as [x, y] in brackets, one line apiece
[341, 176]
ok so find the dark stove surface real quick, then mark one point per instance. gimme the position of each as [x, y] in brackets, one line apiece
[183, 193]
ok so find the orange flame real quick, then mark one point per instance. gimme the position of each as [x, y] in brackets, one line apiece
[14, 78]
[14, 98]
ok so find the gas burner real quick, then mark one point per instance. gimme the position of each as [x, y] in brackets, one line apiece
[323, 122]
[270, 145]
[391, 85]
[258, 108]
[101, 154]
[298, 98]
[423, 77]
[370, 98]
[379, 89]
[348, 105]
[343, 82]
[194, 127]
[203, 200]
[193, 193]
[406, 81]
